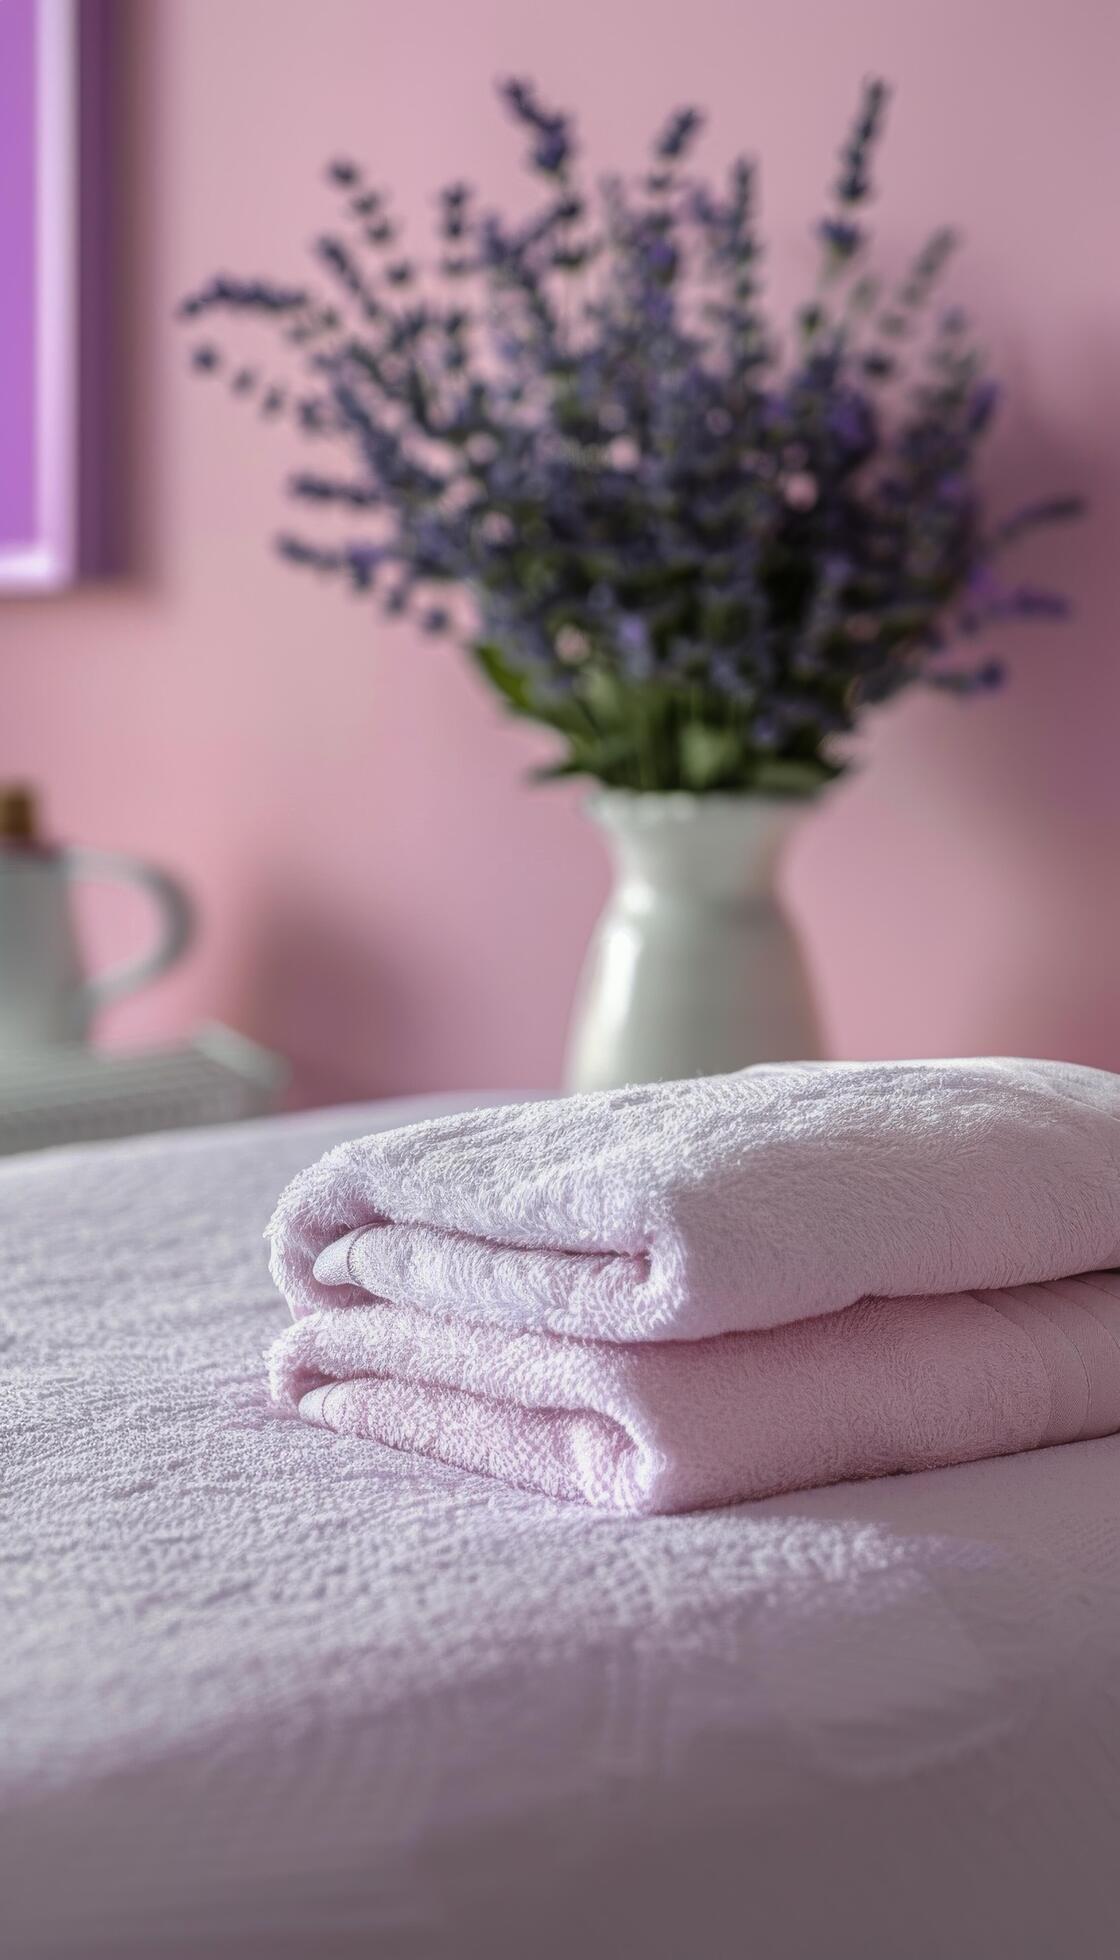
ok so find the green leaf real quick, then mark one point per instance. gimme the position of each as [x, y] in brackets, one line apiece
[553, 772]
[781, 776]
[508, 680]
[607, 757]
[707, 754]
[517, 691]
[606, 696]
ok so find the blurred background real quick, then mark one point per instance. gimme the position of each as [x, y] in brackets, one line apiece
[382, 898]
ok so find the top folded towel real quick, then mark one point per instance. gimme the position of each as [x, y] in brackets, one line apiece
[733, 1203]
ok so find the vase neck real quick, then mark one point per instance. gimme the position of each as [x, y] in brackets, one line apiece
[709, 846]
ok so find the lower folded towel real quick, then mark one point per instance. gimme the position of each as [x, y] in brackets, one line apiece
[652, 1426]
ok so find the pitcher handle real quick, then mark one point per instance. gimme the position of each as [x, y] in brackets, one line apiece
[172, 903]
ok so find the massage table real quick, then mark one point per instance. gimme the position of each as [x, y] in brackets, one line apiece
[268, 1691]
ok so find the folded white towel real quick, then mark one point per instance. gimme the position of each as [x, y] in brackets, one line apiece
[741, 1201]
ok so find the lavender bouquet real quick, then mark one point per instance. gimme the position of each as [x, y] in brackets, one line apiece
[696, 549]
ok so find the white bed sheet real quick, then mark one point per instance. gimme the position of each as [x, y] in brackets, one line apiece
[265, 1691]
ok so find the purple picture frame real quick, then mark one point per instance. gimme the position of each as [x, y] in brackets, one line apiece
[50, 89]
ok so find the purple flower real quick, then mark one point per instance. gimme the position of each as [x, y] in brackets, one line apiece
[659, 520]
[678, 134]
[1047, 510]
[362, 561]
[854, 181]
[1031, 602]
[249, 295]
[728, 677]
[841, 237]
[851, 421]
[632, 638]
[982, 405]
[551, 151]
[659, 258]
[552, 147]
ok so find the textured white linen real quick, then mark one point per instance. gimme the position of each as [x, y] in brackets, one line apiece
[268, 1691]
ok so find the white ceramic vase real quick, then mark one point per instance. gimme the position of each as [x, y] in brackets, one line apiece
[692, 968]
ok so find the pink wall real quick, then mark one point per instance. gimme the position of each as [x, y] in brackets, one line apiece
[383, 897]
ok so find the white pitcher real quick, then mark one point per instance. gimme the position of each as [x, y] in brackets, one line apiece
[45, 996]
[692, 969]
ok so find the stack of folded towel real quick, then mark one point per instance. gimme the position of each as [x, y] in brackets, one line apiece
[690, 1293]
